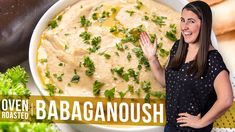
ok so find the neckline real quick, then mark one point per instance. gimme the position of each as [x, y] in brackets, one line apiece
[194, 59]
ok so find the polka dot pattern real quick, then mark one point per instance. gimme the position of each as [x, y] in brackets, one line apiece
[185, 93]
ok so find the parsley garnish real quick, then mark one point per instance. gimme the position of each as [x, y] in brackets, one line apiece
[75, 78]
[159, 20]
[89, 64]
[84, 22]
[96, 87]
[146, 86]
[131, 13]
[110, 93]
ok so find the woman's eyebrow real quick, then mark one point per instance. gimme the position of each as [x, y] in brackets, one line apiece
[191, 19]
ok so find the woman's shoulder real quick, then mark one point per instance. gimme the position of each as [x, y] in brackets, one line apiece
[215, 63]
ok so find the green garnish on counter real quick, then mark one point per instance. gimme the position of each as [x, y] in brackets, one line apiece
[13, 82]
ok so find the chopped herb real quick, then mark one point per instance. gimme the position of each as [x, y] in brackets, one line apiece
[81, 6]
[122, 94]
[170, 35]
[105, 14]
[139, 66]
[138, 92]
[128, 56]
[110, 93]
[61, 91]
[97, 8]
[152, 37]
[134, 74]
[131, 89]
[159, 20]
[66, 34]
[114, 78]
[163, 53]
[126, 47]
[107, 56]
[85, 36]
[47, 74]
[43, 61]
[132, 35]
[60, 64]
[116, 53]
[84, 22]
[147, 98]
[139, 4]
[96, 87]
[89, 64]
[95, 43]
[114, 10]
[130, 12]
[119, 46]
[59, 78]
[125, 76]
[146, 86]
[173, 28]
[66, 47]
[118, 70]
[113, 29]
[146, 18]
[59, 17]
[51, 89]
[75, 78]
[159, 46]
[53, 24]
[140, 55]
[95, 16]
[159, 94]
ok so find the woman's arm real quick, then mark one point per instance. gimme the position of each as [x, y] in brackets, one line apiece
[224, 100]
[149, 50]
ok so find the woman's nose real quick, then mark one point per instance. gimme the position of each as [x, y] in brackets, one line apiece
[184, 26]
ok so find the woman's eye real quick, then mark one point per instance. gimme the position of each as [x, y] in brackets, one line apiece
[191, 21]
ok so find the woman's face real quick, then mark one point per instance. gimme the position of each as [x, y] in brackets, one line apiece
[190, 26]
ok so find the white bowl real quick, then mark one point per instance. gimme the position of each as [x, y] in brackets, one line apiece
[41, 26]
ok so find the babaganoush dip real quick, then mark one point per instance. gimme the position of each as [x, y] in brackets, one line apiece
[92, 48]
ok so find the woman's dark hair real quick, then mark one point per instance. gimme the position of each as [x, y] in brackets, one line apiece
[203, 11]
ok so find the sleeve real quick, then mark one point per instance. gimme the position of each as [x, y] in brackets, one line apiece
[216, 65]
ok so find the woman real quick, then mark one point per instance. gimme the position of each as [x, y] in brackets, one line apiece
[198, 89]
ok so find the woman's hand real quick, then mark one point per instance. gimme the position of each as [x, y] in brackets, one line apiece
[148, 48]
[188, 120]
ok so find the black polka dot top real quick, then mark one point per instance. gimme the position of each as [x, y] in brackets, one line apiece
[185, 93]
